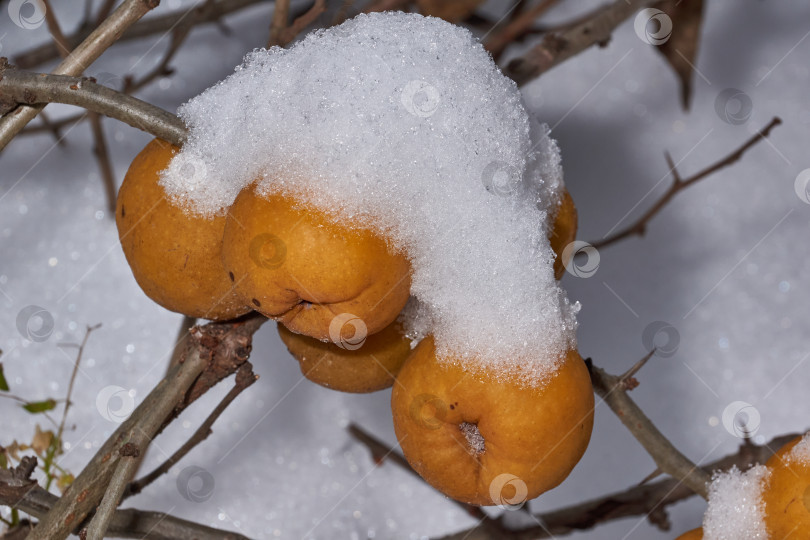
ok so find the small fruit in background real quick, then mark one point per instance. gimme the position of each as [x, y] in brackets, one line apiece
[296, 265]
[488, 439]
[174, 255]
[371, 366]
[563, 230]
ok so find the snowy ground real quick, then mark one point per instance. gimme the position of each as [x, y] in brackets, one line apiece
[725, 264]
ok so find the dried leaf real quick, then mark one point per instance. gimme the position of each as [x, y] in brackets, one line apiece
[680, 50]
[3, 382]
[42, 440]
[35, 407]
[64, 482]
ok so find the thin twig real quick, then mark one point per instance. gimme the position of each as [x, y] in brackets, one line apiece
[639, 227]
[104, 164]
[17, 490]
[244, 378]
[381, 452]
[517, 27]
[627, 379]
[48, 125]
[650, 500]
[558, 47]
[79, 59]
[180, 341]
[201, 14]
[668, 458]
[216, 351]
[62, 45]
[26, 87]
[281, 17]
[300, 23]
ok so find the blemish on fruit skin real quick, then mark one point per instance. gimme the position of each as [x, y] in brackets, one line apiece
[230, 275]
[123, 212]
[256, 303]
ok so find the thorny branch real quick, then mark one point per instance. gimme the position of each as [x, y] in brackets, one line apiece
[678, 184]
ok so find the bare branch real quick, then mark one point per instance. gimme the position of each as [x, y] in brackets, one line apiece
[206, 12]
[104, 165]
[281, 17]
[639, 227]
[244, 378]
[558, 47]
[668, 458]
[648, 500]
[516, 28]
[78, 60]
[32, 88]
[215, 351]
[18, 491]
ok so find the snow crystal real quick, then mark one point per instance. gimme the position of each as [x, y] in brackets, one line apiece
[801, 452]
[474, 438]
[736, 510]
[402, 124]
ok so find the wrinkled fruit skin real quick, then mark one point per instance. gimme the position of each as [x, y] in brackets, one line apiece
[563, 231]
[535, 434]
[787, 497]
[694, 534]
[174, 256]
[298, 266]
[371, 367]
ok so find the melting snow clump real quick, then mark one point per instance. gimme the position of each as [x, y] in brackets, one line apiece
[801, 452]
[402, 124]
[736, 510]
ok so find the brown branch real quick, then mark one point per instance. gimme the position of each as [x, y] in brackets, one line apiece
[78, 60]
[648, 500]
[104, 165]
[557, 47]
[386, 5]
[381, 452]
[18, 491]
[206, 12]
[244, 378]
[54, 126]
[35, 88]
[179, 343]
[281, 17]
[668, 458]
[301, 22]
[639, 227]
[516, 28]
[214, 352]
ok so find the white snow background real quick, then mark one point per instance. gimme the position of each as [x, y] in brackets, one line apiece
[726, 264]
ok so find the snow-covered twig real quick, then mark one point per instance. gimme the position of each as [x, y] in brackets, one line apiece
[79, 59]
[36, 88]
[639, 227]
[668, 458]
[216, 351]
[649, 500]
[557, 47]
[18, 491]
